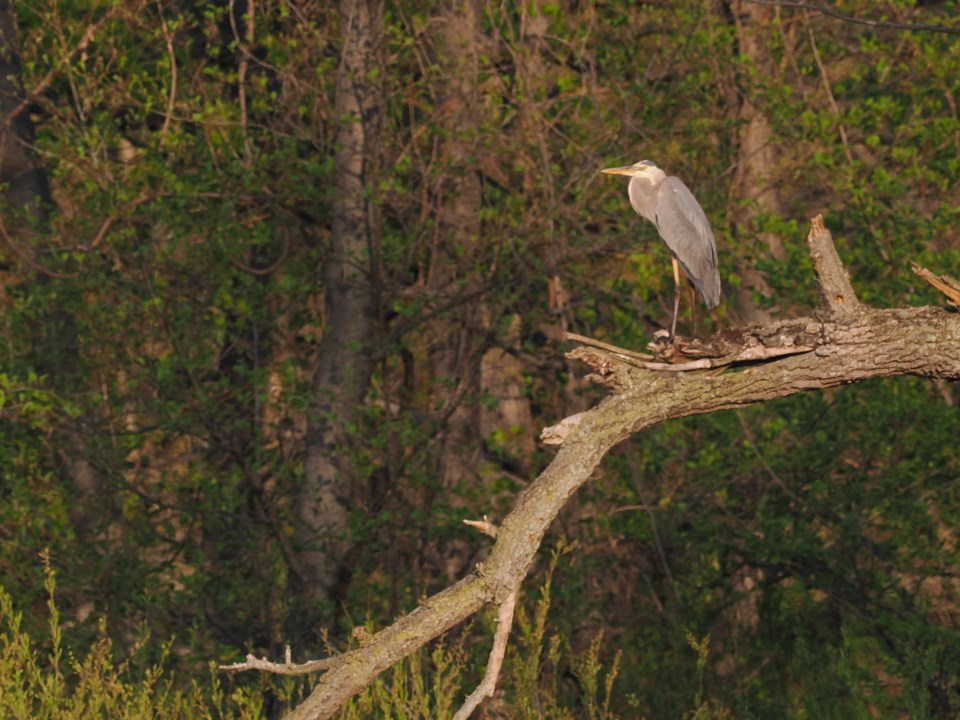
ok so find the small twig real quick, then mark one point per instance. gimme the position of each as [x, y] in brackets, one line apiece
[748, 433]
[127, 207]
[828, 89]
[584, 340]
[484, 526]
[47, 80]
[242, 68]
[944, 283]
[654, 529]
[284, 252]
[172, 97]
[489, 683]
[701, 364]
[285, 668]
[27, 259]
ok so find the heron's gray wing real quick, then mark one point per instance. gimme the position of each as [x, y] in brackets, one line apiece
[686, 230]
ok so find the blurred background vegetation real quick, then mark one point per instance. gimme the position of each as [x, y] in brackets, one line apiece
[167, 244]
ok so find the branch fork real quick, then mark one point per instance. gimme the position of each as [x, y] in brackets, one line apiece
[843, 342]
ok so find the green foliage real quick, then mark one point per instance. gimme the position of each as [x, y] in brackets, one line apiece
[540, 662]
[43, 680]
[818, 519]
[421, 687]
[793, 560]
[427, 686]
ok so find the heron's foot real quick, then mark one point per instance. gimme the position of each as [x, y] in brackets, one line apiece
[662, 340]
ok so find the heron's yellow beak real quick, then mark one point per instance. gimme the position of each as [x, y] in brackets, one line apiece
[628, 170]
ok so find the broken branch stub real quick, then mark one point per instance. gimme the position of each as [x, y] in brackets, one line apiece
[837, 298]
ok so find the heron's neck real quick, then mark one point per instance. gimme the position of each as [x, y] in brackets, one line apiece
[642, 197]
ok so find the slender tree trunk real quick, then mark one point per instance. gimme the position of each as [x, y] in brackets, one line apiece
[342, 376]
[754, 188]
[447, 350]
[455, 349]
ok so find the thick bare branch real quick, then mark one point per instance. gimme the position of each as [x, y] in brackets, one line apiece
[840, 348]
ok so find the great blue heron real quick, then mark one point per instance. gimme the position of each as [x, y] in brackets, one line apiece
[669, 204]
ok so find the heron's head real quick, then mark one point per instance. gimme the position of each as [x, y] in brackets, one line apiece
[644, 169]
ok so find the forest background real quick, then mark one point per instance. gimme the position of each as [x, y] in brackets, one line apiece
[283, 300]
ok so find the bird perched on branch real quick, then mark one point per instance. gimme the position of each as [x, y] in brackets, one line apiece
[669, 204]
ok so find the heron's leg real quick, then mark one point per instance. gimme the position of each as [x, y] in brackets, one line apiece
[693, 309]
[676, 297]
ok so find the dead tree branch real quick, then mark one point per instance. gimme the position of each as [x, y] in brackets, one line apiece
[844, 342]
[488, 685]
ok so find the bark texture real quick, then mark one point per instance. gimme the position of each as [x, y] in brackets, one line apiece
[343, 374]
[754, 188]
[454, 352]
[842, 346]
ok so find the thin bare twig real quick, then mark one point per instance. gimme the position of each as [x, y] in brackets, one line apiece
[654, 529]
[172, 96]
[827, 88]
[701, 364]
[252, 662]
[108, 223]
[489, 683]
[27, 259]
[584, 340]
[270, 269]
[41, 87]
[242, 68]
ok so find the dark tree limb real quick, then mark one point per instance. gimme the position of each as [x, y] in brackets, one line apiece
[845, 343]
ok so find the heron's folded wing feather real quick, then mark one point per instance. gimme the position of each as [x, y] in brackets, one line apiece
[686, 231]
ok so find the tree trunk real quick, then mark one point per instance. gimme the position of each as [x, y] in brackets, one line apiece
[455, 348]
[342, 376]
[754, 187]
[448, 349]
